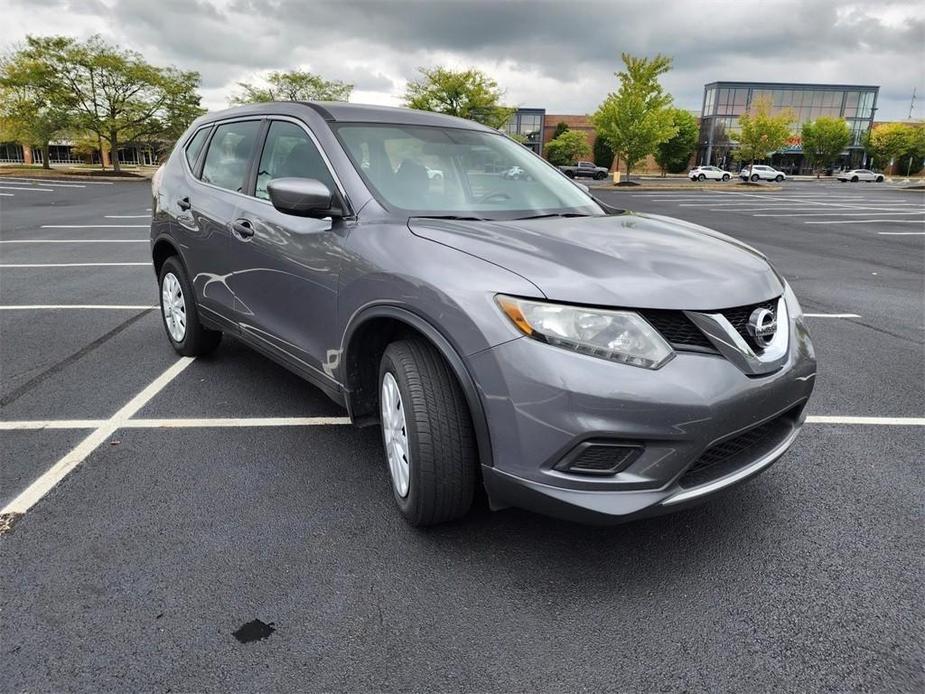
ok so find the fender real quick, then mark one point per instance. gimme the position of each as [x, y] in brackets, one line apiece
[449, 352]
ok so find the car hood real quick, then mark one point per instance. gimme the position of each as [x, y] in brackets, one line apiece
[627, 260]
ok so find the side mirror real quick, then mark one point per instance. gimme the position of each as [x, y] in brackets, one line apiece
[303, 197]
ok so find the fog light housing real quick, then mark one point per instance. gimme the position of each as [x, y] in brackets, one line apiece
[599, 458]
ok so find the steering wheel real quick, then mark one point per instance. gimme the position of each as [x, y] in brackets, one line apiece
[497, 195]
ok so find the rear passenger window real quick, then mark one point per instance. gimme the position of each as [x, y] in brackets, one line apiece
[229, 155]
[289, 152]
[195, 146]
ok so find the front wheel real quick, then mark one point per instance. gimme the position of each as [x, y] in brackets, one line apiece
[570, 174]
[725, 177]
[778, 178]
[754, 178]
[701, 177]
[879, 179]
[427, 433]
[180, 315]
[600, 176]
[854, 179]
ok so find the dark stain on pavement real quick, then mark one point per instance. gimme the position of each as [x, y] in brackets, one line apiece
[253, 631]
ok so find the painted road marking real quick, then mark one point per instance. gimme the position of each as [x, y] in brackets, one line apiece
[47, 481]
[75, 240]
[882, 213]
[35, 265]
[8, 195]
[901, 233]
[128, 216]
[38, 190]
[92, 307]
[878, 421]
[95, 226]
[831, 315]
[58, 181]
[869, 221]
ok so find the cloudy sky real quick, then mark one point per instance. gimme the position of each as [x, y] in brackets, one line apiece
[552, 54]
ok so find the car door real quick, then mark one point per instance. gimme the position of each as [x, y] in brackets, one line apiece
[868, 175]
[213, 197]
[284, 268]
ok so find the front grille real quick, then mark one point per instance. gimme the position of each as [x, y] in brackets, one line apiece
[739, 316]
[678, 329]
[727, 456]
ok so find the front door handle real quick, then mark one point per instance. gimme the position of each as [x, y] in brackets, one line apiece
[242, 229]
[184, 204]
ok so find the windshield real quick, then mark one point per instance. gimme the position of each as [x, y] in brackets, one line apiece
[433, 171]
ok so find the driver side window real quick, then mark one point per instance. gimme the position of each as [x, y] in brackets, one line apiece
[290, 153]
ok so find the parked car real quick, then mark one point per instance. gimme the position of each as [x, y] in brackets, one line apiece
[713, 173]
[761, 172]
[585, 169]
[855, 175]
[574, 359]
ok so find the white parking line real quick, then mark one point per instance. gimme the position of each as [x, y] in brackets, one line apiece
[880, 213]
[7, 195]
[76, 241]
[831, 315]
[37, 265]
[47, 481]
[91, 307]
[95, 226]
[901, 233]
[39, 190]
[58, 181]
[879, 421]
[128, 216]
[869, 221]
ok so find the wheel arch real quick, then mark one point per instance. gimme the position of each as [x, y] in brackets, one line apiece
[163, 248]
[365, 339]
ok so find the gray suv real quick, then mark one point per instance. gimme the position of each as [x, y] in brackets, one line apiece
[513, 332]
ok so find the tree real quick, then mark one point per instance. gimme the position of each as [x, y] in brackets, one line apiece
[674, 153]
[116, 95]
[296, 85]
[887, 143]
[603, 154]
[467, 94]
[824, 139]
[911, 161]
[762, 132]
[635, 119]
[34, 109]
[561, 127]
[568, 148]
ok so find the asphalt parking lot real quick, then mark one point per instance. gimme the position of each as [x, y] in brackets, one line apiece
[200, 495]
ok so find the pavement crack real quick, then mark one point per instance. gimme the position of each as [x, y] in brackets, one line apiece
[35, 381]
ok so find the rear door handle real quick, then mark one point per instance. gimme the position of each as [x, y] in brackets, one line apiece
[184, 204]
[242, 229]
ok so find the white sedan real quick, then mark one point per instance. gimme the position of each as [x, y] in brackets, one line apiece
[856, 175]
[713, 173]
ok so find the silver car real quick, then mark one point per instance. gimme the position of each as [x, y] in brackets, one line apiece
[511, 332]
[760, 172]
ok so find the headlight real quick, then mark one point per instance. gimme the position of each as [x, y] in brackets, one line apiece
[621, 336]
[793, 306]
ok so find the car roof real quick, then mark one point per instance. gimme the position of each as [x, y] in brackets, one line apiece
[338, 111]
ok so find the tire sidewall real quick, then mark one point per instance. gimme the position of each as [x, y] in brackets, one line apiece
[173, 266]
[409, 502]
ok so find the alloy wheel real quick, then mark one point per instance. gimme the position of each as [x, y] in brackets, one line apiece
[174, 307]
[395, 434]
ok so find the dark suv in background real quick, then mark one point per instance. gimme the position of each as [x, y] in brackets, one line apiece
[504, 330]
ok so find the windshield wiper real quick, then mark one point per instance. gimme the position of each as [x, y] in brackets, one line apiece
[556, 214]
[467, 218]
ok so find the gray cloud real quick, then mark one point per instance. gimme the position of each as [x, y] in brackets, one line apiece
[558, 55]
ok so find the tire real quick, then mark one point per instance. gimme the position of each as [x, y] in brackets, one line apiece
[754, 178]
[600, 176]
[725, 177]
[778, 178]
[879, 179]
[193, 340]
[570, 174]
[434, 428]
[854, 179]
[701, 177]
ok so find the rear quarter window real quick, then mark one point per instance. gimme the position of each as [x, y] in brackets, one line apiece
[195, 146]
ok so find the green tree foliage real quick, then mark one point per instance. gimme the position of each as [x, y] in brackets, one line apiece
[889, 142]
[762, 132]
[674, 153]
[636, 118]
[297, 85]
[911, 161]
[603, 154]
[561, 127]
[824, 139]
[34, 107]
[568, 148]
[114, 93]
[467, 94]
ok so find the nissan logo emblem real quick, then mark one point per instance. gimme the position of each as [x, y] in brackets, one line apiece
[761, 327]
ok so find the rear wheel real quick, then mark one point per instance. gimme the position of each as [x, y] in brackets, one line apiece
[778, 178]
[570, 174]
[180, 315]
[854, 179]
[725, 177]
[427, 434]
[879, 179]
[754, 178]
[600, 176]
[701, 177]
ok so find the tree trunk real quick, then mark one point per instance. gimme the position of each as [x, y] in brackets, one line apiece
[99, 144]
[628, 170]
[114, 150]
[45, 163]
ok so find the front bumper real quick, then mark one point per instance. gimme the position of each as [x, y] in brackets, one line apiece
[542, 401]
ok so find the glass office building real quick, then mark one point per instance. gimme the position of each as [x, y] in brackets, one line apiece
[527, 124]
[724, 102]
